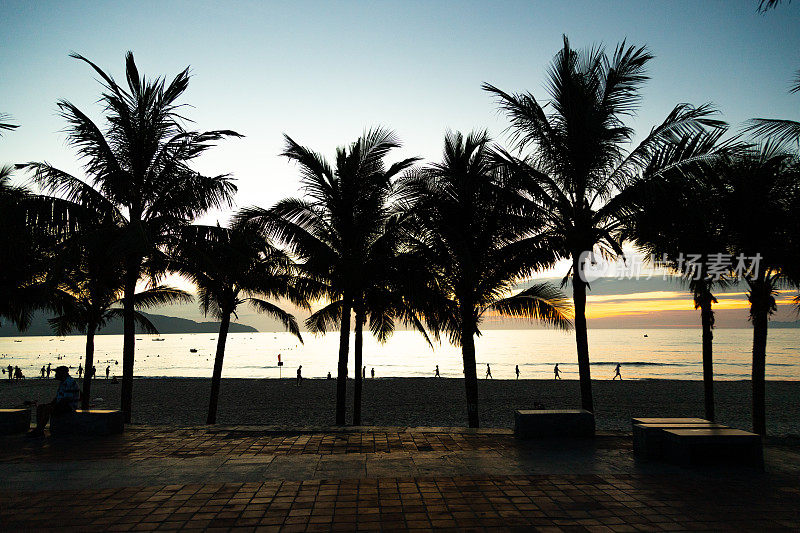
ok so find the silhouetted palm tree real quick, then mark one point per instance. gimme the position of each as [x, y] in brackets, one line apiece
[139, 165]
[12, 220]
[759, 197]
[389, 292]
[332, 231]
[675, 219]
[231, 267]
[92, 287]
[470, 231]
[581, 161]
[33, 226]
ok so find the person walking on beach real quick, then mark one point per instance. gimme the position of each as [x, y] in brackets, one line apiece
[517, 371]
[80, 370]
[373, 373]
[108, 371]
[42, 371]
[94, 372]
[299, 375]
[557, 372]
[488, 372]
[18, 373]
[364, 373]
[436, 376]
[48, 370]
[617, 374]
[329, 375]
[10, 372]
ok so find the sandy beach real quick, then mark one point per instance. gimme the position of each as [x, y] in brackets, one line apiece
[424, 401]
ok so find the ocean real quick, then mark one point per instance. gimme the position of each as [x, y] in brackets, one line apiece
[662, 354]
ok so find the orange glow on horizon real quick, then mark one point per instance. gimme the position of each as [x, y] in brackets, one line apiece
[607, 306]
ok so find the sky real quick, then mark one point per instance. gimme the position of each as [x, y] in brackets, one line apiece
[323, 72]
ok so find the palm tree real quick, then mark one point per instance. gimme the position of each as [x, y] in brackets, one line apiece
[332, 231]
[470, 230]
[580, 164]
[12, 218]
[231, 267]
[759, 197]
[92, 289]
[390, 291]
[139, 165]
[33, 227]
[675, 220]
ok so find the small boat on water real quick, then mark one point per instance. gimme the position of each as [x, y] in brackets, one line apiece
[17, 341]
[193, 350]
[157, 340]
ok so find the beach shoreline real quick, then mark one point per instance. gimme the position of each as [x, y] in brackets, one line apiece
[416, 402]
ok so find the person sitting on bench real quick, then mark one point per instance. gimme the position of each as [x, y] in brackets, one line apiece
[66, 401]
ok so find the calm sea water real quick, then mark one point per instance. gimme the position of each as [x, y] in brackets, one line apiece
[664, 353]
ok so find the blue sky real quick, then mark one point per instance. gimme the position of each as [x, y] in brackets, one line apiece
[322, 72]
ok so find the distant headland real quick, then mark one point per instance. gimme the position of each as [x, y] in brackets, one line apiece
[164, 324]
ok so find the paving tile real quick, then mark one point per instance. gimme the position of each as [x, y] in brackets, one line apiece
[246, 479]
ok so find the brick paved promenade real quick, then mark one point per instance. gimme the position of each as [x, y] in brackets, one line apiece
[249, 479]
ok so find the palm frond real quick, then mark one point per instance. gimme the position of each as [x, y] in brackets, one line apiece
[142, 322]
[159, 296]
[326, 319]
[6, 126]
[288, 320]
[542, 302]
[72, 189]
[781, 131]
[766, 5]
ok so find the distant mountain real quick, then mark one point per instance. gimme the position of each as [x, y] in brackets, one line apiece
[164, 324]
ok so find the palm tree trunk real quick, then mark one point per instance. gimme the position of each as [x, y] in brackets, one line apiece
[760, 321]
[128, 340]
[707, 319]
[216, 377]
[87, 381]
[468, 355]
[344, 347]
[581, 335]
[358, 362]
[470, 376]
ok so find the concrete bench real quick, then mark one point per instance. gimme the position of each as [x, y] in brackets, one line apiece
[713, 446]
[14, 421]
[648, 439]
[88, 422]
[673, 421]
[538, 423]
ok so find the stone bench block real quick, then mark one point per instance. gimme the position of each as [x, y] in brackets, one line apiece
[673, 421]
[88, 422]
[735, 447]
[648, 439]
[537, 423]
[14, 421]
